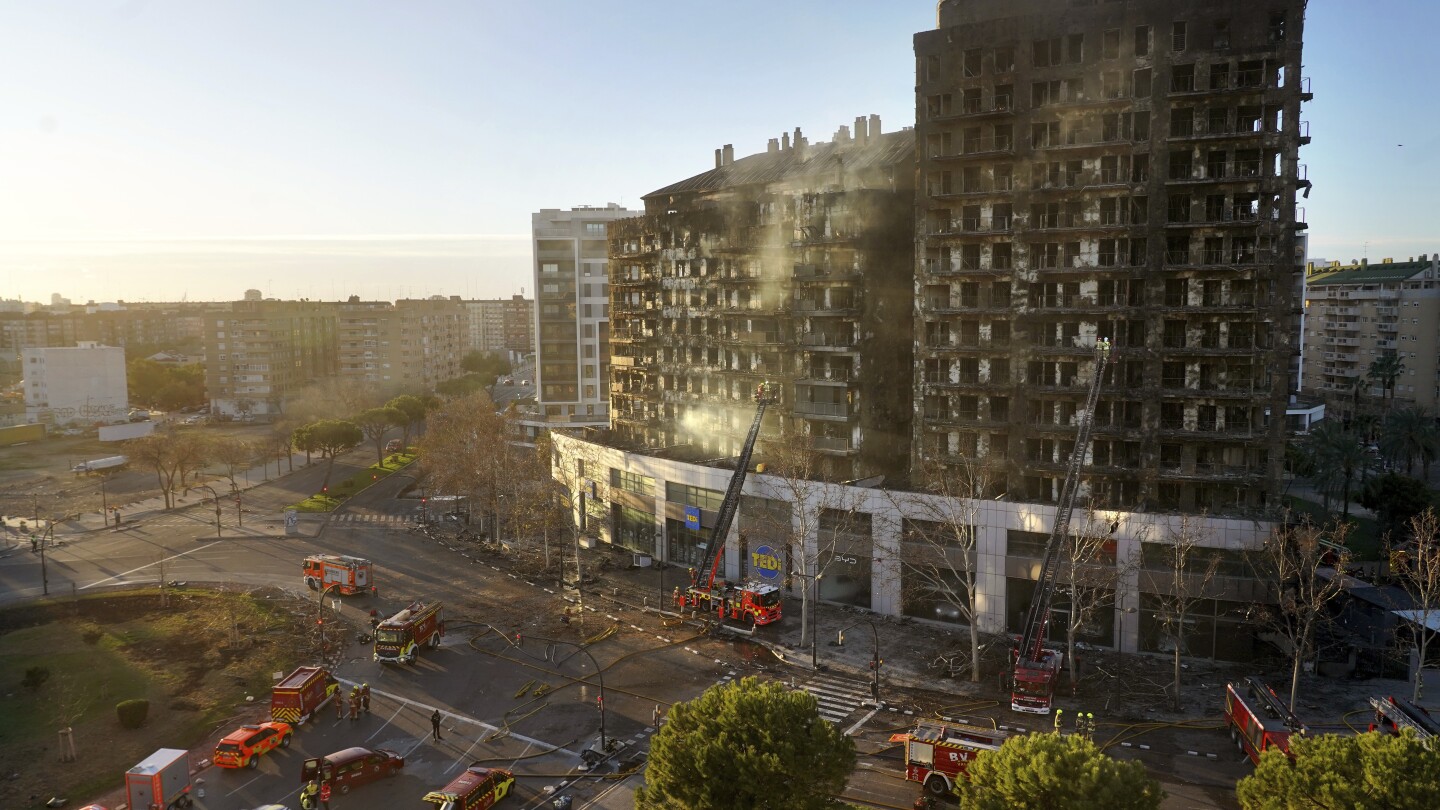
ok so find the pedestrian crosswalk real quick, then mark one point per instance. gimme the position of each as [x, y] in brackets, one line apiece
[838, 698]
[358, 517]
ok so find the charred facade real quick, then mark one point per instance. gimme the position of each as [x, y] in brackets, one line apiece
[793, 266]
[1122, 170]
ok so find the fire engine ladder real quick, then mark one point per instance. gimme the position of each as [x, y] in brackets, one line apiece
[764, 397]
[1033, 641]
[1271, 704]
[1405, 714]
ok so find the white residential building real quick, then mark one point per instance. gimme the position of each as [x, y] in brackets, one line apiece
[73, 386]
[572, 317]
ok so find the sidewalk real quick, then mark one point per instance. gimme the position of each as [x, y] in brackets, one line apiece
[257, 523]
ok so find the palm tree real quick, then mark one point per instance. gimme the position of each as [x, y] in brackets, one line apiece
[1384, 371]
[1410, 434]
[1339, 458]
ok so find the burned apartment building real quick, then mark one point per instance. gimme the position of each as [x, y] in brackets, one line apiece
[793, 266]
[1121, 169]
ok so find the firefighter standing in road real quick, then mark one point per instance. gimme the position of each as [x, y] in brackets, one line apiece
[325, 796]
[354, 705]
[365, 697]
[309, 795]
[435, 724]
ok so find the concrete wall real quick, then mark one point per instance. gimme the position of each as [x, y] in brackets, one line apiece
[887, 510]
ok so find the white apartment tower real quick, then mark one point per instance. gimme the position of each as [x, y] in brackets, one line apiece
[572, 316]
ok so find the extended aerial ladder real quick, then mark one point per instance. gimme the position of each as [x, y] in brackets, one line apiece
[1395, 713]
[750, 600]
[1032, 682]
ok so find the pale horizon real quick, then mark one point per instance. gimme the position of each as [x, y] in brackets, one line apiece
[154, 151]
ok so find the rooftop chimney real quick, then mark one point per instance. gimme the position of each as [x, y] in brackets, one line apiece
[772, 146]
[784, 142]
[718, 162]
[729, 154]
[842, 135]
[861, 134]
[800, 143]
[874, 126]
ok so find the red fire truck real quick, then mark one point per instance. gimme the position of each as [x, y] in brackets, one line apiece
[936, 754]
[1393, 713]
[399, 638]
[1258, 718]
[756, 602]
[348, 575]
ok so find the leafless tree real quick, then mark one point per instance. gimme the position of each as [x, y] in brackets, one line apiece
[233, 455]
[538, 508]
[157, 452]
[1417, 568]
[191, 454]
[70, 697]
[1290, 564]
[815, 510]
[1186, 577]
[465, 452]
[333, 398]
[939, 553]
[1089, 576]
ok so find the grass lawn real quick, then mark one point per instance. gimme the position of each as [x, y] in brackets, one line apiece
[1364, 540]
[104, 649]
[355, 484]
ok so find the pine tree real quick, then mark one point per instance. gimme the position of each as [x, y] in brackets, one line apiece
[748, 744]
[1371, 770]
[1056, 771]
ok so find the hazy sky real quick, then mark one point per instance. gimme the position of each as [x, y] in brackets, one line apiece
[154, 150]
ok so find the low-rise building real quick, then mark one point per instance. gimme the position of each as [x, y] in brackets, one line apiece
[80, 385]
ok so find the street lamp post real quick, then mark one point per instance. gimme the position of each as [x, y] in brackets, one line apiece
[235, 490]
[599, 675]
[874, 656]
[215, 497]
[813, 603]
[44, 573]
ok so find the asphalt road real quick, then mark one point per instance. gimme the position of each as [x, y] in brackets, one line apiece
[479, 679]
[476, 677]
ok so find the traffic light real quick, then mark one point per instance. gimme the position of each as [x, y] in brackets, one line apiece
[600, 702]
[324, 489]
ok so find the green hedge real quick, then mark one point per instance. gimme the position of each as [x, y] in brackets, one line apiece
[132, 713]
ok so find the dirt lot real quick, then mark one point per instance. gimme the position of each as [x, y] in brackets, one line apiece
[195, 655]
[35, 477]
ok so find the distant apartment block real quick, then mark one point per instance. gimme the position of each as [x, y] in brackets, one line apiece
[409, 345]
[80, 385]
[572, 316]
[1124, 171]
[1358, 313]
[262, 351]
[504, 326]
[124, 325]
[793, 266]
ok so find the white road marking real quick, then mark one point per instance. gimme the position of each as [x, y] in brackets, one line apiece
[464, 756]
[520, 757]
[423, 739]
[427, 710]
[387, 722]
[143, 567]
[242, 787]
[851, 731]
